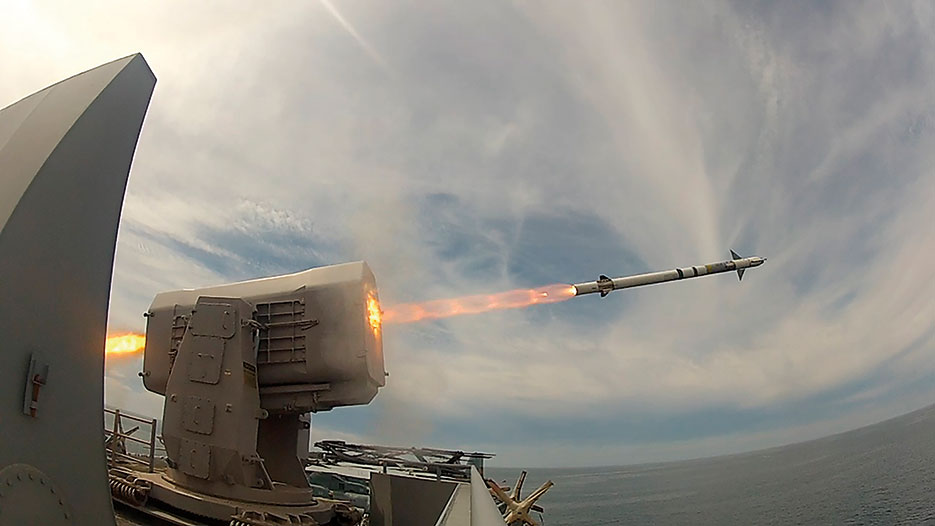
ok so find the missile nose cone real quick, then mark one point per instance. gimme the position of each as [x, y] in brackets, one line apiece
[757, 262]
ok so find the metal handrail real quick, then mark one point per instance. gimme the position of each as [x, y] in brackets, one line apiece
[127, 457]
[130, 437]
[150, 458]
[129, 416]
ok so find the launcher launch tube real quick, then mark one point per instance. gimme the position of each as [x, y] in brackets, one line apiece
[605, 285]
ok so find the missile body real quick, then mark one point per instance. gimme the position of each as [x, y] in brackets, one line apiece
[605, 285]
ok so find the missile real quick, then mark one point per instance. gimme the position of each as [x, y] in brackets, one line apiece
[605, 285]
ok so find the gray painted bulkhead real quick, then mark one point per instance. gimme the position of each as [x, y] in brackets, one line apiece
[65, 155]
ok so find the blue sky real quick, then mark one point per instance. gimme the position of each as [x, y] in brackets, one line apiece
[481, 146]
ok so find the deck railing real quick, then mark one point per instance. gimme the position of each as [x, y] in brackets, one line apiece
[118, 435]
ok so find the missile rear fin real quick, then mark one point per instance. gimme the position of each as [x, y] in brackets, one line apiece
[734, 256]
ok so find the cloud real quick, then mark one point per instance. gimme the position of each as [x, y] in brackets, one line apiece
[509, 146]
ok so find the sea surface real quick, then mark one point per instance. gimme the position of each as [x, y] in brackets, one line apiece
[881, 474]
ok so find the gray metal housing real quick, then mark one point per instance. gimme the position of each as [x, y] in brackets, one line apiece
[316, 350]
[65, 154]
[240, 365]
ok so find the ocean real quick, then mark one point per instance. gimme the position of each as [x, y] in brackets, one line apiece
[881, 474]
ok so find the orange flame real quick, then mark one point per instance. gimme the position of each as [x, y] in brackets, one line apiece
[409, 312]
[514, 299]
[125, 344]
[374, 314]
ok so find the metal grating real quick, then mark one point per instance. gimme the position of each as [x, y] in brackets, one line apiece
[179, 325]
[282, 331]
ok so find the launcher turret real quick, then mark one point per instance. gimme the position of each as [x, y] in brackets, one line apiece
[240, 367]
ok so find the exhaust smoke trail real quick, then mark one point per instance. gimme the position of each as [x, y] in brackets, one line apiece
[446, 308]
[368, 49]
[408, 312]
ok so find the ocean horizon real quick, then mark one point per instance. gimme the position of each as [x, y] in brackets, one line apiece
[879, 474]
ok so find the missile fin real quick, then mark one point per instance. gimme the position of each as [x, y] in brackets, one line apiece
[733, 255]
[605, 285]
[740, 274]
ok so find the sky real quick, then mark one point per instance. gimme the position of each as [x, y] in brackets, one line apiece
[473, 147]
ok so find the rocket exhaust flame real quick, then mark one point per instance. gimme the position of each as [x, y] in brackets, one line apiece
[124, 344]
[408, 312]
[374, 314]
[514, 299]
